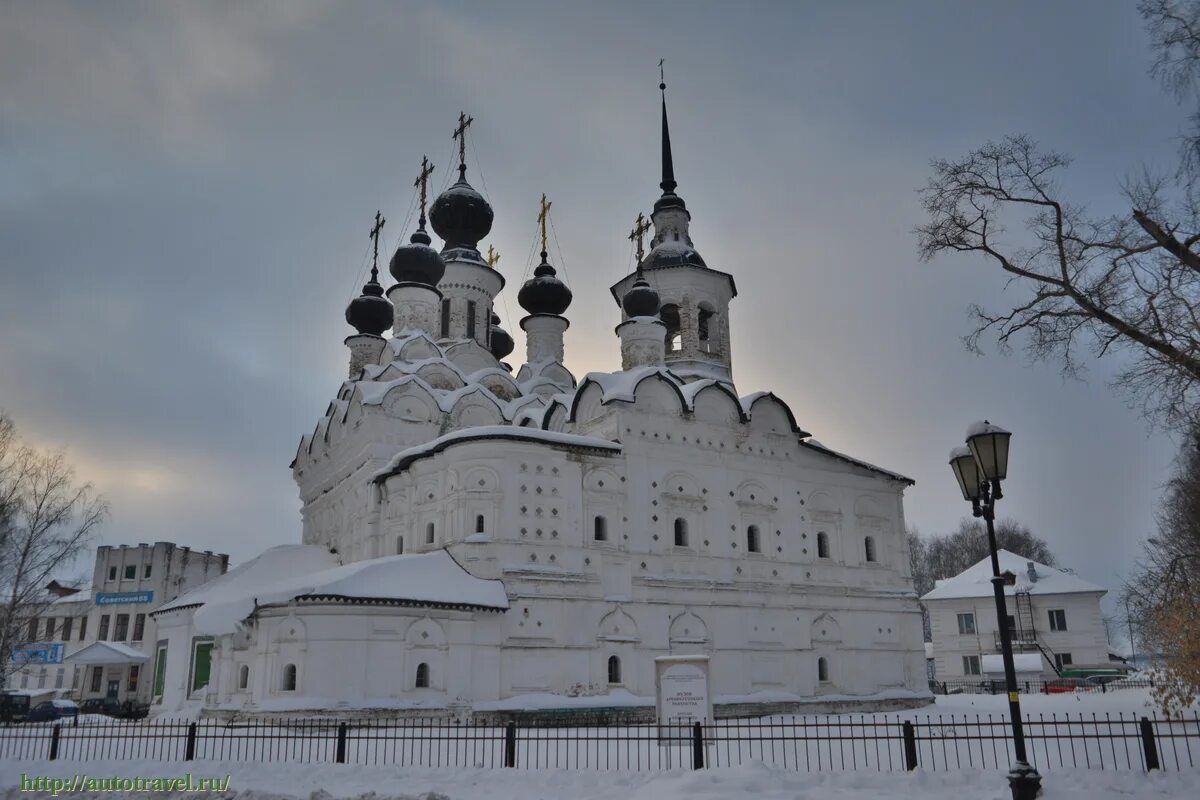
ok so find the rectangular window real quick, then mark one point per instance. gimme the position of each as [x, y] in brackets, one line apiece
[33, 630]
[131, 687]
[470, 319]
[131, 572]
[121, 629]
[446, 319]
[1012, 622]
[160, 670]
[68, 624]
[146, 572]
[42, 678]
[112, 573]
[1058, 619]
[1062, 660]
[59, 677]
[49, 629]
[82, 628]
[201, 665]
[970, 665]
[103, 635]
[139, 627]
[966, 624]
[97, 676]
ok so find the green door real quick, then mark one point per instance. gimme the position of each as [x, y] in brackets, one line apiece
[160, 671]
[201, 664]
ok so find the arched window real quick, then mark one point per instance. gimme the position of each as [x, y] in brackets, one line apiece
[399, 545]
[479, 523]
[869, 548]
[289, 678]
[669, 314]
[600, 529]
[422, 676]
[753, 545]
[446, 319]
[243, 677]
[429, 533]
[704, 325]
[680, 532]
[822, 545]
[822, 670]
[614, 669]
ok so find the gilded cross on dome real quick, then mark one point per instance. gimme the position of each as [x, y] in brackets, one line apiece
[422, 182]
[542, 217]
[493, 257]
[640, 229]
[380, 221]
[460, 133]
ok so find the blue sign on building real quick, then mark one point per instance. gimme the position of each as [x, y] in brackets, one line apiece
[122, 598]
[38, 653]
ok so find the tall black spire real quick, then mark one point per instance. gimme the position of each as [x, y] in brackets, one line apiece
[669, 199]
[668, 167]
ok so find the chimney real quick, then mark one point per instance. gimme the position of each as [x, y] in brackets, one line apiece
[1031, 572]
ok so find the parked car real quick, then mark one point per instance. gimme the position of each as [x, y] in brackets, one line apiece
[100, 705]
[50, 710]
[14, 706]
[1063, 685]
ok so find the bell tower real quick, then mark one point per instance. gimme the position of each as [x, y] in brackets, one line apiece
[694, 298]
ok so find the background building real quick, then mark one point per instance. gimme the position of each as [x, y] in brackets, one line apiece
[99, 640]
[1054, 618]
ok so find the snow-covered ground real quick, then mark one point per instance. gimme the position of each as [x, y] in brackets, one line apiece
[751, 781]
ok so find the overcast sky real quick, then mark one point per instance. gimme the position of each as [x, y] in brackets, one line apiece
[186, 190]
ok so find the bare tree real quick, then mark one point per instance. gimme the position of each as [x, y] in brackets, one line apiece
[1163, 594]
[46, 520]
[1128, 284]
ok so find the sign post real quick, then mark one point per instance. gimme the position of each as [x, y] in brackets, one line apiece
[681, 686]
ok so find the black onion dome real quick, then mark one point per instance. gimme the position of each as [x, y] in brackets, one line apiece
[501, 343]
[641, 300]
[460, 216]
[370, 312]
[670, 200]
[544, 293]
[417, 262]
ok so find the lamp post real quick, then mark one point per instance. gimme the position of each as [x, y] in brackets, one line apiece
[980, 466]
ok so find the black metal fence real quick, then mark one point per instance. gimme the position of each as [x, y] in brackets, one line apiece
[819, 743]
[1039, 686]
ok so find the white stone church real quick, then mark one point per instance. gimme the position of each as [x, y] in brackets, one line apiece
[479, 537]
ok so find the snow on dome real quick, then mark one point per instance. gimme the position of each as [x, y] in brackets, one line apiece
[976, 580]
[959, 452]
[291, 572]
[983, 426]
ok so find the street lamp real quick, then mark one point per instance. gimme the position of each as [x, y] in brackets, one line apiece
[979, 467]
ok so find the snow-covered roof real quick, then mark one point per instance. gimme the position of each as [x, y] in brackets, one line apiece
[976, 580]
[82, 596]
[278, 576]
[107, 653]
[1022, 662]
[535, 435]
[815, 445]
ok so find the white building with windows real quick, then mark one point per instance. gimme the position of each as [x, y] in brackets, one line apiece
[99, 641]
[1054, 620]
[486, 537]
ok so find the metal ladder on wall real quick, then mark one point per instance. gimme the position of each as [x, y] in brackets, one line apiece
[1025, 622]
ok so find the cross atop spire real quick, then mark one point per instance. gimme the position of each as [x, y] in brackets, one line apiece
[379, 223]
[542, 217]
[422, 182]
[668, 168]
[460, 133]
[640, 228]
[493, 257]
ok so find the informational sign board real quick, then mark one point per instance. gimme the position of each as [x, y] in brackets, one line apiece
[681, 686]
[38, 653]
[123, 598]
